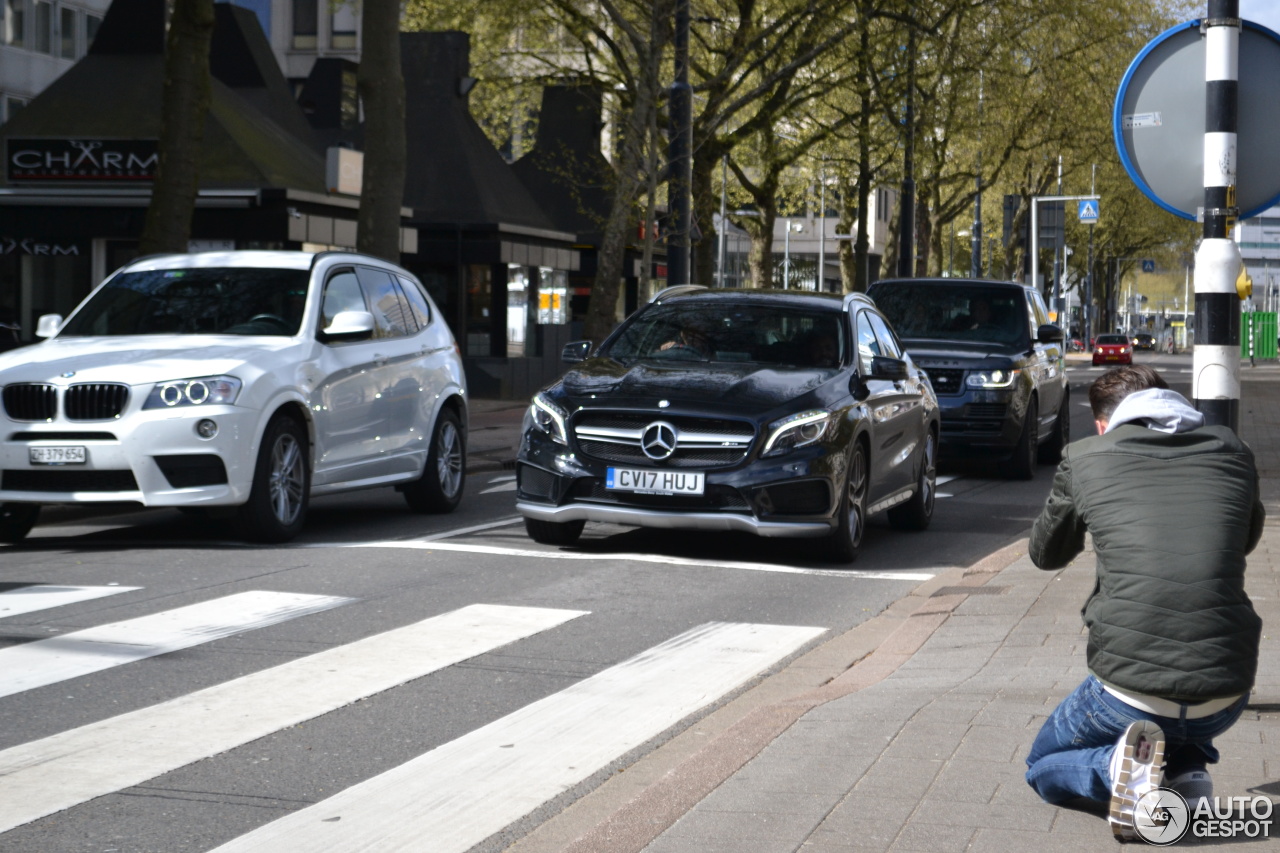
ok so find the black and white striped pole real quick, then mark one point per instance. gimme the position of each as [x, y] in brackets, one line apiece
[1216, 361]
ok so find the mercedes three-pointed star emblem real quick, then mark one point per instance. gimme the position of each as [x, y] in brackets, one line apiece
[658, 441]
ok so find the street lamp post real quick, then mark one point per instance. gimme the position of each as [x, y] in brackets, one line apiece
[786, 256]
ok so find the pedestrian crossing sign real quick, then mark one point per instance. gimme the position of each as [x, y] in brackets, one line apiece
[1088, 211]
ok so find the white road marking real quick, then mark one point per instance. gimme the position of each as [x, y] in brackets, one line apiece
[433, 544]
[947, 479]
[29, 599]
[501, 487]
[66, 769]
[31, 665]
[458, 794]
[449, 534]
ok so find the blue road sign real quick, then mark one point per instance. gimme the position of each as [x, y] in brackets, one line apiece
[1088, 211]
[1148, 266]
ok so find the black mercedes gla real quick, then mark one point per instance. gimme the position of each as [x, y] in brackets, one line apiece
[775, 412]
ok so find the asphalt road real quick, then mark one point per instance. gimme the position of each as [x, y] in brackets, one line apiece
[622, 600]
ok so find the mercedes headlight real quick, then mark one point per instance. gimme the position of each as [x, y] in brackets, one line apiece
[798, 430]
[1001, 378]
[548, 417]
[203, 390]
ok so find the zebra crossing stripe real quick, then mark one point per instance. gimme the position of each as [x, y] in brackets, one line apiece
[69, 768]
[453, 797]
[44, 662]
[28, 599]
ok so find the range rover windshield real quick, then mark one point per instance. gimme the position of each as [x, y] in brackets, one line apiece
[762, 334]
[202, 301]
[923, 310]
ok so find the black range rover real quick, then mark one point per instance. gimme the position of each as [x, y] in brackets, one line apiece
[779, 413]
[995, 361]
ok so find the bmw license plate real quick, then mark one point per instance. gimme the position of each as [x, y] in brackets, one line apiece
[58, 455]
[651, 482]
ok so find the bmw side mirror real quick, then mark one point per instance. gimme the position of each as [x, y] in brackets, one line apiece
[1049, 334]
[892, 369]
[575, 352]
[349, 326]
[48, 324]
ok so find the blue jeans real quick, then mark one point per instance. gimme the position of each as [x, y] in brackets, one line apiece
[1071, 757]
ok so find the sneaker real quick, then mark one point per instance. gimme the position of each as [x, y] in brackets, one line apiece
[1137, 766]
[1195, 786]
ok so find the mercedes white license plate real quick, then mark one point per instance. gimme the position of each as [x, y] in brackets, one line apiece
[655, 482]
[58, 455]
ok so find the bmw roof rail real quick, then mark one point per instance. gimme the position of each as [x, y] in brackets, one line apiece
[677, 290]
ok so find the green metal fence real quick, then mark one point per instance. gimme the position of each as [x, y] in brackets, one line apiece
[1258, 335]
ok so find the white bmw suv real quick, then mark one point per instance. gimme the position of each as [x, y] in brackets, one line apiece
[243, 380]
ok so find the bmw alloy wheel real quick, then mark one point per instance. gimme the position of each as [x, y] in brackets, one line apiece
[287, 479]
[449, 458]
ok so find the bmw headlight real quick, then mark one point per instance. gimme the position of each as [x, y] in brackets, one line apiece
[999, 378]
[548, 417]
[798, 430]
[203, 390]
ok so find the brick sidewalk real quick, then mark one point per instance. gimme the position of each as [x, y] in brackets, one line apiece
[921, 745]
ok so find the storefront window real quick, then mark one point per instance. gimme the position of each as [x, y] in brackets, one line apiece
[553, 297]
[518, 294]
[305, 24]
[42, 277]
[479, 301]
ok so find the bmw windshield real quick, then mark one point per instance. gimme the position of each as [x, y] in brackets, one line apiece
[200, 301]
[717, 333]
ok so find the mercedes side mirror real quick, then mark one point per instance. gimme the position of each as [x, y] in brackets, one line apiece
[575, 352]
[891, 369]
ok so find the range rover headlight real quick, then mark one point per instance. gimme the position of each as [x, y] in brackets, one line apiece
[999, 378]
[201, 391]
[798, 430]
[548, 417]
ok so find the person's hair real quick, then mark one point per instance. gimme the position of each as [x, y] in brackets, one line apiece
[1110, 388]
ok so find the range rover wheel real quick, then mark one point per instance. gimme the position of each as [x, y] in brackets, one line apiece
[916, 513]
[844, 542]
[553, 532]
[277, 505]
[440, 487]
[1051, 450]
[1023, 464]
[16, 521]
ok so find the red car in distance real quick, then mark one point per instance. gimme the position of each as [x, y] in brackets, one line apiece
[1112, 349]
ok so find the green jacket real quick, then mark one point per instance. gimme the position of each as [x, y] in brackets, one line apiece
[1172, 518]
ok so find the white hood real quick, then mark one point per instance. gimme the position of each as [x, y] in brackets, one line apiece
[1157, 408]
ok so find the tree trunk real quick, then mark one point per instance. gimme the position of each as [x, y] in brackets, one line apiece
[705, 205]
[380, 82]
[602, 308]
[760, 256]
[862, 243]
[185, 108]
